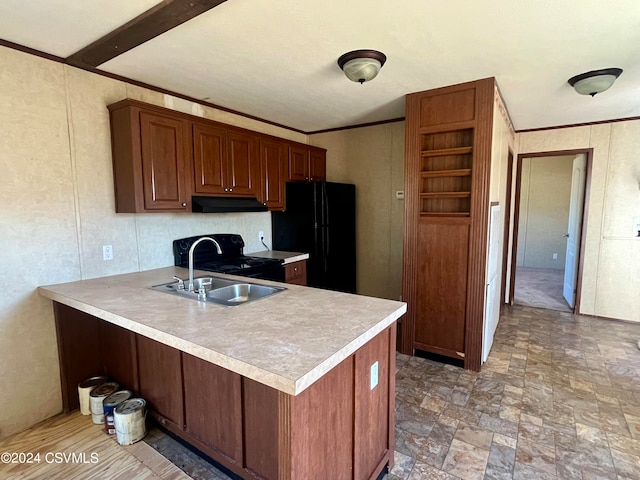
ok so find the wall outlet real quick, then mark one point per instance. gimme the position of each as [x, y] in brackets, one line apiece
[399, 194]
[260, 235]
[107, 252]
[636, 227]
[555, 256]
[374, 375]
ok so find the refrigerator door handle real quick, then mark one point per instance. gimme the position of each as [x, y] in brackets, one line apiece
[326, 248]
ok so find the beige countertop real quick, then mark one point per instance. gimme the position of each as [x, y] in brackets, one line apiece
[286, 341]
[286, 257]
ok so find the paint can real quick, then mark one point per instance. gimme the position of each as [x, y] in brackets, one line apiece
[129, 419]
[84, 389]
[96, 397]
[109, 405]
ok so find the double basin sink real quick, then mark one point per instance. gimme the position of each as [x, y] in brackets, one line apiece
[219, 290]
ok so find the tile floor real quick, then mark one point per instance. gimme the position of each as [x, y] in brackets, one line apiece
[559, 398]
[540, 287]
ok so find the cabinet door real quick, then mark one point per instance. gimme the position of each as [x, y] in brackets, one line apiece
[296, 272]
[213, 406]
[209, 157]
[243, 164]
[163, 162]
[160, 380]
[273, 162]
[298, 164]
[317, 165]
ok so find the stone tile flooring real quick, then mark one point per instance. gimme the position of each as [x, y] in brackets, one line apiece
[559, 398]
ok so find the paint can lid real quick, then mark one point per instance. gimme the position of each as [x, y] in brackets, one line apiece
[133, 405]
[104, 390]
[92, 382]
[117, 398]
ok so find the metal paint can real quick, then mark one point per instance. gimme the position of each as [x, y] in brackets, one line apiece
[108, 406]
[129, 419]
[84, 389]
[96, 397]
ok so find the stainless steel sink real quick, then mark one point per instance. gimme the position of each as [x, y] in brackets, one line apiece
[241, 293]
[219, 290]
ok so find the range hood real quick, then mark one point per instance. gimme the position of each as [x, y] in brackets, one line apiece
[226, 204]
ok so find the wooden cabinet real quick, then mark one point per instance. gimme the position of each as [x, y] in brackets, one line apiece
[213, 406]
[307, 164]
[447, 173]
[150, 159]
[225, 161]
[160, 380]
[273, 173]
[296, 273]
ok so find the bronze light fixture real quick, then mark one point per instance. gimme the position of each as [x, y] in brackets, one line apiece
[595, 81]
[362, 65]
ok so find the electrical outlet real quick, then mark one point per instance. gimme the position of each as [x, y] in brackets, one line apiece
[107, 252]
[374, 375]
[260, 235]
[555, 256]
[636, 228]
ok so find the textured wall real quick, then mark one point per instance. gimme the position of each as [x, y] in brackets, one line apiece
[373, 159]
[610, 280]
[57, 210]
[545, 196]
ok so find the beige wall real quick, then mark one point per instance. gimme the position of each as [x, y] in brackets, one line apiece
[373, 159]
[545, 196]
[57, 210]
[610, 280]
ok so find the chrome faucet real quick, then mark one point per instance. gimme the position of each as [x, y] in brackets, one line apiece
[193, 247]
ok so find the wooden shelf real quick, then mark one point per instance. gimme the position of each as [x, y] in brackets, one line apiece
[444, 214]
[445, 195]
[461, 172]
[443, 152]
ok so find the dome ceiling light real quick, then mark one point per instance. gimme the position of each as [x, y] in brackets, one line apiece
[362, 65]
[596, 81]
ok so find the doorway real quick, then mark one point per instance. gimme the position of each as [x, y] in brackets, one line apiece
[548, 225]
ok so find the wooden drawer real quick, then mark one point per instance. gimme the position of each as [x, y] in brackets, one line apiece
[296, 272]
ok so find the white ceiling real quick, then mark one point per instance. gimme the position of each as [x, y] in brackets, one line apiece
[277, 59]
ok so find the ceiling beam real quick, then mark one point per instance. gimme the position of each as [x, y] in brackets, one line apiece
[161, 18]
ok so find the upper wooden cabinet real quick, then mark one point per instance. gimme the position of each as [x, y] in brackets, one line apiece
[273, 167]
[150, 160]
[307, 164]
[224, 161]
[162, 157]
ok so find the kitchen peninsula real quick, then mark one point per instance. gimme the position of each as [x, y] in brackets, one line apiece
[297, 385]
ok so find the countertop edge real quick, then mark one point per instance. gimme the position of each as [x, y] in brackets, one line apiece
[286, 257]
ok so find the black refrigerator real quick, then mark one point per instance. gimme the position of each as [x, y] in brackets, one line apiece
[320, 218]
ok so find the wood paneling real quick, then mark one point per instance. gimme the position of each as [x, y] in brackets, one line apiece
[160, 380]
[261, 429]
[441, 297]
[322, 427]
[118, 347]
[79, 351]
[440, 108]
[209, 155]
[213, 406]
[371, 413]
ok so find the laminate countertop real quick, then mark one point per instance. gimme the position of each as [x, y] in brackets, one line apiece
[286, 341]
[286, 257]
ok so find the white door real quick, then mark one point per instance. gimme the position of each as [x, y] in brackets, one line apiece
[574, 229]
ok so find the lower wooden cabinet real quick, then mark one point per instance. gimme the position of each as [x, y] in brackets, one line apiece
[296, 273]
[160, 380]
[213, 406]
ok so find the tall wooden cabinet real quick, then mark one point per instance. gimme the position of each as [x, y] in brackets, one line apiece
[447, 172]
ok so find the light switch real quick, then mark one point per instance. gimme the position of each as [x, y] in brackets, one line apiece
[374, 375]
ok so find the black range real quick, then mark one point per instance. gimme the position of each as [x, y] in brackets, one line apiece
[232, 261]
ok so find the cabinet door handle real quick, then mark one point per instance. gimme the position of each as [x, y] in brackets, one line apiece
[184, 204]
[231, 189]
[226, 189]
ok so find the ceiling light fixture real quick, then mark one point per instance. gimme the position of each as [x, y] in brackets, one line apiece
[596, 81]
[362, 65]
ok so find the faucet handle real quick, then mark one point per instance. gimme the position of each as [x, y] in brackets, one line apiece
[180, 282]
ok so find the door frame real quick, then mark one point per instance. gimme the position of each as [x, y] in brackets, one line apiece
[516, 216]
[507, 226]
